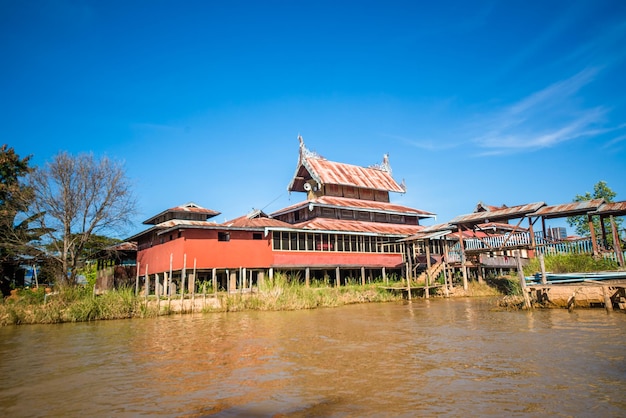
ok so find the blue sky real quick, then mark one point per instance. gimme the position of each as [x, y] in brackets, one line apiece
[502, 102]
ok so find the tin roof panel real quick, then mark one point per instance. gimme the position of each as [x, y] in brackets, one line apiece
[513, 212]
[569, 209]
[612, 208]
[340, 225]
[357, 204]
[330, 172]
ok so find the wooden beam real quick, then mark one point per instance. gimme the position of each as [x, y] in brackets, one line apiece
[592, 230]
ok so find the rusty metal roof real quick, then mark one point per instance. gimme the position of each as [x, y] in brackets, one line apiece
[186, 208]
[340, 225]
[513, 212]
[255, 219]
[329, 172]
[569, 209]
[424, 235]
[312, 166]
[357, 204]
[612, 208]
[123, 246]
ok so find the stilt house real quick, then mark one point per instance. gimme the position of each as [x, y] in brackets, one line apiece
[347, 227]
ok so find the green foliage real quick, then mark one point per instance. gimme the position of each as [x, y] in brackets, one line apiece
[570, 263]
[505, 285]
[70, 304]
[600, 191]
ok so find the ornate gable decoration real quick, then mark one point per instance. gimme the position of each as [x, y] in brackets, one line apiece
[312, 166]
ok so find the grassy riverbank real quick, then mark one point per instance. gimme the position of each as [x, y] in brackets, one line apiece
[77, 304]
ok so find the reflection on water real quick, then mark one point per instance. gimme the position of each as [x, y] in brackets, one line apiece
[451, 357]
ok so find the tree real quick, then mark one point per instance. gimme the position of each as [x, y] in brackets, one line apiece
[15, 198]
[600, 191]
[81, 197]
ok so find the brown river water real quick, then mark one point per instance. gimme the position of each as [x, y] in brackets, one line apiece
[455, 357]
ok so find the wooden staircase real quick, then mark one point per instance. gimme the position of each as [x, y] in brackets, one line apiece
[434, 271]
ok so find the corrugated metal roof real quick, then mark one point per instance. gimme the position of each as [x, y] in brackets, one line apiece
[339, 225]
[612, 208]
[426, 235]
[247, 221]
[330, 172]
[357, 204]
[513, 212]
[186, 208]
[569, 209]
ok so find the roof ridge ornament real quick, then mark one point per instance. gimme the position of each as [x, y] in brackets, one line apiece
[305, 152]
[384, 166]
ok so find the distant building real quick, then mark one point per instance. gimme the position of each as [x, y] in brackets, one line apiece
[557, 233]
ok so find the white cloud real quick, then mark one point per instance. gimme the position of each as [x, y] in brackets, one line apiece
[544, 118]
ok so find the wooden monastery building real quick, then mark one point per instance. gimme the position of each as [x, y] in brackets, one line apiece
[347, 227]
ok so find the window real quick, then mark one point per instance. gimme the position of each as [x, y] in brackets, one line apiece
[328, 212]
[223, 236]
[257, 236]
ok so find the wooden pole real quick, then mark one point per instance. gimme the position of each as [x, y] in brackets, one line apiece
[362, 276]
[170, 276]
[157, 292]
[542, 264]
[136, 278]
[522, 279]
[338, 277]
[307, 276]
[592, 230]
[408, 285]
[147, 280]
[214, 281]
[463, 268]
[608, 304]
[428, 278]
[35, 275]
[182, 283]
[616, 245]
[385, 278]
[192, 286]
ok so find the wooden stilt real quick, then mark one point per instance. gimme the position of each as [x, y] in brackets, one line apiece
[136, 278]
[522, 279]
[147, 280]
[428, 278]
[362, 276]
[337, 277]
[542, 265]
